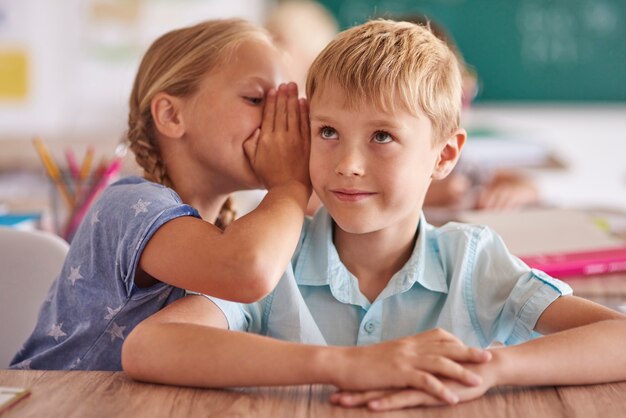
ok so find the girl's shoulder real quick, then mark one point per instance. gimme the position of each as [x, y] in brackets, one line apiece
[133, 187]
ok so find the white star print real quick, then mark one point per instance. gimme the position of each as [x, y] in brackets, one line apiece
[56, 332]
[116, 331]
[111, 313]
[75, 363]
[141, 206]
[94, 218]
[24, 365]
[74, 274]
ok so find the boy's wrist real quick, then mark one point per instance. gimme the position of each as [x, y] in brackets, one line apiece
[332, 365]
[500, 369]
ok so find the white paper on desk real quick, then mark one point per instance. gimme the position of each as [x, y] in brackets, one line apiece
[499, 151]
[544, 231]
[10, 395]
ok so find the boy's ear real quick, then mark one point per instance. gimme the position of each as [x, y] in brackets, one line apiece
[167, 115]
[449, 154]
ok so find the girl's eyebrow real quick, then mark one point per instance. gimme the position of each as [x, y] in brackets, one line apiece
[255, 82]
[264, 82]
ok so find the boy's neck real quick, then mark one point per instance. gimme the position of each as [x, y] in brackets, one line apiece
[373, 258]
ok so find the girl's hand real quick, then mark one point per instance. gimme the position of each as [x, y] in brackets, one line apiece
[279, 153]
[391, 399]
[507, 191]
[415, 362]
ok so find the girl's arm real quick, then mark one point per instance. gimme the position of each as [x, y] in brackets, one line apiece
[585, 346]
[187, 344]
[246, 260]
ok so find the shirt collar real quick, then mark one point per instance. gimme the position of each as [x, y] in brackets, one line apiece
[318, 263]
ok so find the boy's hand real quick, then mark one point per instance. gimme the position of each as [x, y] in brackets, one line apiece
[415, 362]
[280, 152]
[392, 399]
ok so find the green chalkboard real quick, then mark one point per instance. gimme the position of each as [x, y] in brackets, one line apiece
[524, 50]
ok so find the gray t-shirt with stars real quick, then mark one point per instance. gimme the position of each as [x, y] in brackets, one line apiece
[93, 304]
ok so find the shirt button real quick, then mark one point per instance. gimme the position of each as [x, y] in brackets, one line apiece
[369, 327]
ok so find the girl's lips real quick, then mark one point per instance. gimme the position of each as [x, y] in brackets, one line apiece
[351, 195]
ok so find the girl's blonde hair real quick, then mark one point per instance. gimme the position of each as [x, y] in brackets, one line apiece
[384, 62]
[175, 64]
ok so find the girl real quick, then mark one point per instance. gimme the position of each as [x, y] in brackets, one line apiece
[205, 120]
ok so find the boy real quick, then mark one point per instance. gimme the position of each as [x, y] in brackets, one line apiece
[385, 99]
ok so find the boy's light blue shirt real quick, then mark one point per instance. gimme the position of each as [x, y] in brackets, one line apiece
[459, 277]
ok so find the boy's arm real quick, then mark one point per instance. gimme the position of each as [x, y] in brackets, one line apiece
[585, 346]
[187, 344]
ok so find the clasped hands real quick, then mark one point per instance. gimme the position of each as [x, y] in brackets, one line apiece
[430, 368]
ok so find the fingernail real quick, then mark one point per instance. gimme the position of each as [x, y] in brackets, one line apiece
[453, 398]
[271, 92]
[474, 379]
[374, 404]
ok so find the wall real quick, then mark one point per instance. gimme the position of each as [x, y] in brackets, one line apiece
[525, 50]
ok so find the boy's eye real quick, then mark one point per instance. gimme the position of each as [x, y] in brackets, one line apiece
[382, 137]
[254, 100]
[327, 132]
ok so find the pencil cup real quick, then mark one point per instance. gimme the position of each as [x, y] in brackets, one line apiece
[69, 201]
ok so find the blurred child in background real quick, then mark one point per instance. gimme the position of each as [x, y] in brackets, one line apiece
[470, 187]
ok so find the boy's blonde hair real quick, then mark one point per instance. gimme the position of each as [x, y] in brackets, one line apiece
[175, 64]
[384, 62]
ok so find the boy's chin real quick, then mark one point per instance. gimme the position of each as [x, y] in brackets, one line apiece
[355, 225]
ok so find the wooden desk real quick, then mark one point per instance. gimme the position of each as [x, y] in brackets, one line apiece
[112, 394]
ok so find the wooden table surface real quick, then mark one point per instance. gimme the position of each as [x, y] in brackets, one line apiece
[113, 394]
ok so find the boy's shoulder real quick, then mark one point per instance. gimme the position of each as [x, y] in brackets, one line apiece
[457, 239]
[458, 230]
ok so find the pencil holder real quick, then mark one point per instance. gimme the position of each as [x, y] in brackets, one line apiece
[74, 190]
[70, 199]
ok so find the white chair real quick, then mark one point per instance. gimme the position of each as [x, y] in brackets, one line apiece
[29, 262]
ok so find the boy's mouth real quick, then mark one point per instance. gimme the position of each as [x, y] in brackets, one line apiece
[351, 195]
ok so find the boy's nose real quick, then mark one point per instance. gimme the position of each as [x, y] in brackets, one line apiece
[350, 163]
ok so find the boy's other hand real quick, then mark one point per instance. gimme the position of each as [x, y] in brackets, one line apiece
[416, 362]
[393, 399]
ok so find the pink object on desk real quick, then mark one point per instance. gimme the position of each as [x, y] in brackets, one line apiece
[583, 263]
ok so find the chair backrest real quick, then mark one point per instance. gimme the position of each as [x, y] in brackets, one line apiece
[29, 262]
